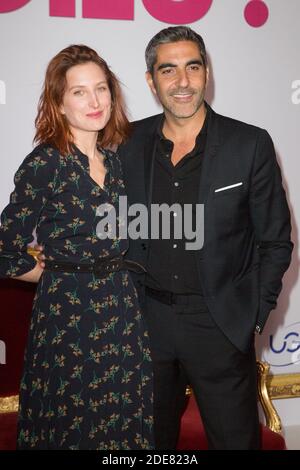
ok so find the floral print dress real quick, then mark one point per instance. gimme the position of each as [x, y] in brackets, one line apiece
[87, 380]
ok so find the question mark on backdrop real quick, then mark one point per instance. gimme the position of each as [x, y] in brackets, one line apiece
[256, 12]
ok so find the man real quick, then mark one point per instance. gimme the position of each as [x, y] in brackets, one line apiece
[203, 306]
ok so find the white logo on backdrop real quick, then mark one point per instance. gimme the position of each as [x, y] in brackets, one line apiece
[2, 92]
[296, 94]
[284, 347]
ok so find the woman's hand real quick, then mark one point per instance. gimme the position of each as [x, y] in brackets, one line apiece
[32, 276]
[35, 274]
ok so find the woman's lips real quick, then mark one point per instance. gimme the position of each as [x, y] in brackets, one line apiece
[95, 115]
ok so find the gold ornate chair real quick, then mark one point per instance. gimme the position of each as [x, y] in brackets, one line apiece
[273, 421]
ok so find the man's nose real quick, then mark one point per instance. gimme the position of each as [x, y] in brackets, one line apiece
[183, 79]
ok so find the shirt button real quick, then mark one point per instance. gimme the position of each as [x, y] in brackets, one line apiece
[175, 245]
[167, 155]
[176, 184]
[175, 276]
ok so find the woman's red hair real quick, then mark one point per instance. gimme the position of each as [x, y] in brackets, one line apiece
[51, 125]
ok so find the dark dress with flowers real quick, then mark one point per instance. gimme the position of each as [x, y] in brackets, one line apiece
[87, 380]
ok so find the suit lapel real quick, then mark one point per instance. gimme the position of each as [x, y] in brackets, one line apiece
[209, 159]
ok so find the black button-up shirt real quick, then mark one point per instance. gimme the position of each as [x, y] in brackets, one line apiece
[170, 265]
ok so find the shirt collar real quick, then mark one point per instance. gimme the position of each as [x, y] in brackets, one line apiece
[201, 134]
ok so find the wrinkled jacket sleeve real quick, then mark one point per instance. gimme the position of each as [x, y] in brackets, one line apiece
[271, 220]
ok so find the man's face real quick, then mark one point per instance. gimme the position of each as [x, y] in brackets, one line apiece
[179, 79]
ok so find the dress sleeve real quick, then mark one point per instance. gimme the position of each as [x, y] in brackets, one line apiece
[21, 215]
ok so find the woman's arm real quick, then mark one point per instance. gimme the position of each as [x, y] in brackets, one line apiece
[33, 183]
[32, 276]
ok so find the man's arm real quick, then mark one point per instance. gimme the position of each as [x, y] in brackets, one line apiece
[271, 221]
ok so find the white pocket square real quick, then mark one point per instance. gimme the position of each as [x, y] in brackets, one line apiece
[228, 187]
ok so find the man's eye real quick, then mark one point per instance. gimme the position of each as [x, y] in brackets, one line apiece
[78, 92]
[166, 71]
[195, 67]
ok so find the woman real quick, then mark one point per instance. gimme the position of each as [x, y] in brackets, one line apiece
[87, 380]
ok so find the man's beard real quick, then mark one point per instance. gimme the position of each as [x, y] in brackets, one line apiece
[175, 108]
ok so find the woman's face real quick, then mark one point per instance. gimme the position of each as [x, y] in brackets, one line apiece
[87, 100]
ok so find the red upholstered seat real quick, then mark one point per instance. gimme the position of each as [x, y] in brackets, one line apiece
[192, 435]
[8, 431]
[16, 304]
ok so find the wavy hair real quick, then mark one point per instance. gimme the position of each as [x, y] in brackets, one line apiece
[52, 126]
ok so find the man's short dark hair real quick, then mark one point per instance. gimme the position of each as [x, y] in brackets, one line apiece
[169, 35]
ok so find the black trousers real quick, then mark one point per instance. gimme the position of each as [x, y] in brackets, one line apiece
[188, 347]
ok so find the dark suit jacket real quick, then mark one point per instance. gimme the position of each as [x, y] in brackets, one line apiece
[247, 245]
